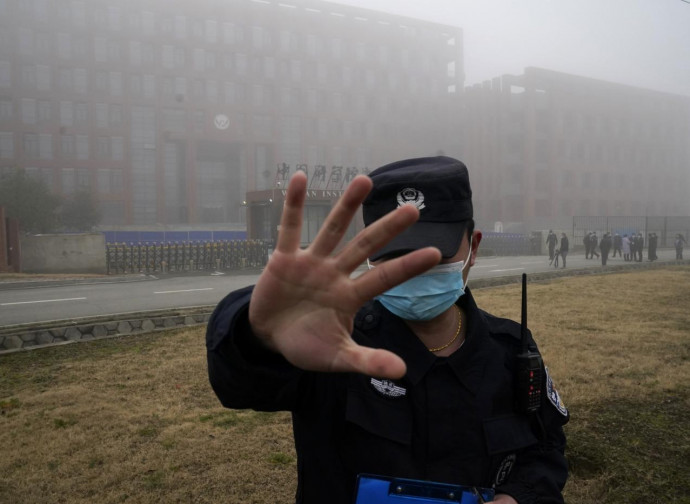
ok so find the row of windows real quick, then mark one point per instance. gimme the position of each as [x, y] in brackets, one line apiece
[79, 147]
[116, 83]
[210, 31]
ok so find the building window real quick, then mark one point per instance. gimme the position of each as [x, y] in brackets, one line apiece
[68, 180]
[104, 185]
[5, 74]
[80, 80]
[241, 64]
[117, 148]
[64, 46]
[115, 83]
[6, 145]
[31, 145]
[82, 147]
[211, 31]
[26, 41]
[148, 23]
[135, 85]
[228, 33]
[102, 147]
[168, 56]
[198, 60]
[45, 146]
[66, 113]
[199, 121]
[100, 50]
[101, 115]
[135, 53]
[114, 18]
[43, 78]
[29, 76]
[113, 51]
[149, 86]
[28, 107]
[179, 57]
[66, 79]
[180, 27]
[6, 110]
[44, 111]
[67, 146]
[81, 114]
[212, 90]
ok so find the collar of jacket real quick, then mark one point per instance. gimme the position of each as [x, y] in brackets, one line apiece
[468, 363]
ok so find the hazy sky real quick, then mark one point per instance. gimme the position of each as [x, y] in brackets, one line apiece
[645, 43]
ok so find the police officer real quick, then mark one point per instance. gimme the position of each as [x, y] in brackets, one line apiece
[551, 240]
[418, 383]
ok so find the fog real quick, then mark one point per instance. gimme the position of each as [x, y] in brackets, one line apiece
[182, 115]
[643, 43]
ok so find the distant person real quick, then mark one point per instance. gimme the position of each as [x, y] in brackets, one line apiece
[651, 247]
[617, 245]
[593, 244]
[586, 242]
[639, 245]
[678, 243]
[605, 247]
[564, 248]
[551, 240]
[626, 247]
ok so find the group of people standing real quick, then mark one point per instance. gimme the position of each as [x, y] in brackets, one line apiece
[551, 241]
[629, 247]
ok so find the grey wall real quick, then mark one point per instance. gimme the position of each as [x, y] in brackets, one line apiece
[58, 253]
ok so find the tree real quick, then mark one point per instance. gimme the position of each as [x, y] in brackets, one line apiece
[80, 212]
[29, 201]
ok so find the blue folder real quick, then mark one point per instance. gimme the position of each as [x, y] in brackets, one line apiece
[372, 489]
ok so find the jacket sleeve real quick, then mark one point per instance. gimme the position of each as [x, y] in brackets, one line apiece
[242, 372]
[541, 470]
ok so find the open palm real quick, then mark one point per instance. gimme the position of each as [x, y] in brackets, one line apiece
[304, 302]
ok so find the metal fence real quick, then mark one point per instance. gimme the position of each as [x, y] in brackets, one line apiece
[508, 244]
[666, 228]
[221, 255]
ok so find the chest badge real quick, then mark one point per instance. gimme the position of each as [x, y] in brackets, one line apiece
[387, 388]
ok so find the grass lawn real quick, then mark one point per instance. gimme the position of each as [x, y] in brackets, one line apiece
[133, 419]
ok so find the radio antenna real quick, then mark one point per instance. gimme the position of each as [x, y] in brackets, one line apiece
[523, 321]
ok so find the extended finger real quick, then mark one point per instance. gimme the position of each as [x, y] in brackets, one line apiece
[338, 220]
[290, 235]
[388, 274]
[375, 236]
[371, 362]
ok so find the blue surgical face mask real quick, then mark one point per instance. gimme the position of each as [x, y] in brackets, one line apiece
[427, 295]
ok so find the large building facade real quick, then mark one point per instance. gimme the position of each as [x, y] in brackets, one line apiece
[546, 146]
[171, 112]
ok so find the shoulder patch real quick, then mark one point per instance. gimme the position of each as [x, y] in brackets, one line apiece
[554, 396]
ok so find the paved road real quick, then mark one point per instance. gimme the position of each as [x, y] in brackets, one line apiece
[58, 302]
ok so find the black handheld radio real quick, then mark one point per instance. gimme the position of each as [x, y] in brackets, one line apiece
[529, 366]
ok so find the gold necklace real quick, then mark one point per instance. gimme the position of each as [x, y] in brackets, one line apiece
[457, 333]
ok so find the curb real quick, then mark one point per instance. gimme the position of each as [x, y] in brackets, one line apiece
[22, 337]
[29, 284]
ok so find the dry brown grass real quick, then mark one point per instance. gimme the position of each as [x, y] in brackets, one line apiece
[133, 419]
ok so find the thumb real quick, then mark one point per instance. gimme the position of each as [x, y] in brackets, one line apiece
[371, 362]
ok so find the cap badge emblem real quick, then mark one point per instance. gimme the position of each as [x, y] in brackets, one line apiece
[409, 196]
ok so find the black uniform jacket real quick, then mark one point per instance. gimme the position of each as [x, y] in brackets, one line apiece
[448, 419]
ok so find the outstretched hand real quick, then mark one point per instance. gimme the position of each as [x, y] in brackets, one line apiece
[305, 301]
